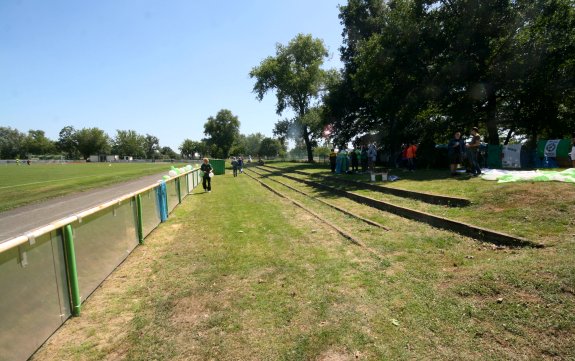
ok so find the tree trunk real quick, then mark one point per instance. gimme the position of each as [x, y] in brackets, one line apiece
[511, 131]
[307, 144]
[492, 116]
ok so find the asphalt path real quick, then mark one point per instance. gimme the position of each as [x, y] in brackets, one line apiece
[22, 220]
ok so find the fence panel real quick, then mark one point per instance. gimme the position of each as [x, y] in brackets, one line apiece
[172, 191]
[183, 186]
[103, 240]
[150, 211]
[34, 295]
[34, 291]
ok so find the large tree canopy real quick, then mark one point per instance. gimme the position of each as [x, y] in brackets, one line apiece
[189, 148]
[221, 130]
[423, 68]
[11, 143]
[92, 141]
[295, 74]
[129, 143]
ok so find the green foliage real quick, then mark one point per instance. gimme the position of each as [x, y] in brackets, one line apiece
[421, 68]
[151, 146]
[168, 153]
[92, 141]
[296, 76]
[129, 143]
[11, 143]
[68, 143]
[36, 143]
[221, 130]
[189, 148]
[269, 147]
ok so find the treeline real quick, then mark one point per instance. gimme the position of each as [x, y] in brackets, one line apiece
[421, 69]
[222, 139]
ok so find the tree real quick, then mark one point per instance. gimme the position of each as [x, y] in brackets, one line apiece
[129, 143]
[282, 131]
[67, 142]
[296, 76]
[240, 145]
[253, 143]
[221, 130]
[37, 143]
[11, 143]
[430, 67]
[189, 148]
[92, 141]
[151, 146]
[269, 147]
[168, 153]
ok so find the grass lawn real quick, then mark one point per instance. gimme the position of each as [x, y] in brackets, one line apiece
[20, 185]
[541, 212]
[241, 274]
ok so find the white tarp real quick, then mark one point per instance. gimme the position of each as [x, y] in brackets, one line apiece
[505, 176]
[511, 156]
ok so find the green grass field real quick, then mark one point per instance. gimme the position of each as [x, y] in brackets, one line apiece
[537, 211]
[241, 274]
[20, 185]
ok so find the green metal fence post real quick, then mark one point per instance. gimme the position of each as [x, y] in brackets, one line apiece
[71, 269]
[140, 217]
[178, 189]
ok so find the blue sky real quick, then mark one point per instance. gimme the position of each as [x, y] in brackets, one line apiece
[155, 66]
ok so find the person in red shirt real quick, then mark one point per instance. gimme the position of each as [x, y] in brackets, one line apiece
[410, 154]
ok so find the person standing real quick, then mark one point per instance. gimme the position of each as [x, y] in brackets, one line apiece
[207, 178]
[455, 148]
[410, 154]
[241, 164]
[363, 158]
[371, 157]
[354, 160]
[235, 166]
[473, 151]
[332, 160]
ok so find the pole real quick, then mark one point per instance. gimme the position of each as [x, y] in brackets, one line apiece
[71, 269]
[140, 217]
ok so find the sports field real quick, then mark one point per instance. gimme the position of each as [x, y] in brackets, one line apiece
[23, 184]
[243, 274]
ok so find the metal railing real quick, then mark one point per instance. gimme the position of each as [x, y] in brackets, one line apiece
[46, 273]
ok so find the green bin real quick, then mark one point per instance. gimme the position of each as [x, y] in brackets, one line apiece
[494, 153]
[219, 166]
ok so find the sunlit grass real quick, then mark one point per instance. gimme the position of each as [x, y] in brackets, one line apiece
[240, 273]
[23, 184]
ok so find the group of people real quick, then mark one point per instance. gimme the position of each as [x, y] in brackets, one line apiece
[458, 151]
[28, 161]
[238, 164]
[366, 156]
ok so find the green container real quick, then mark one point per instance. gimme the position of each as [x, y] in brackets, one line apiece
[494, 156]
[219, 166]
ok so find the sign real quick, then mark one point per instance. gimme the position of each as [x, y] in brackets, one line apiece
[511, 156]
[551, 148]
